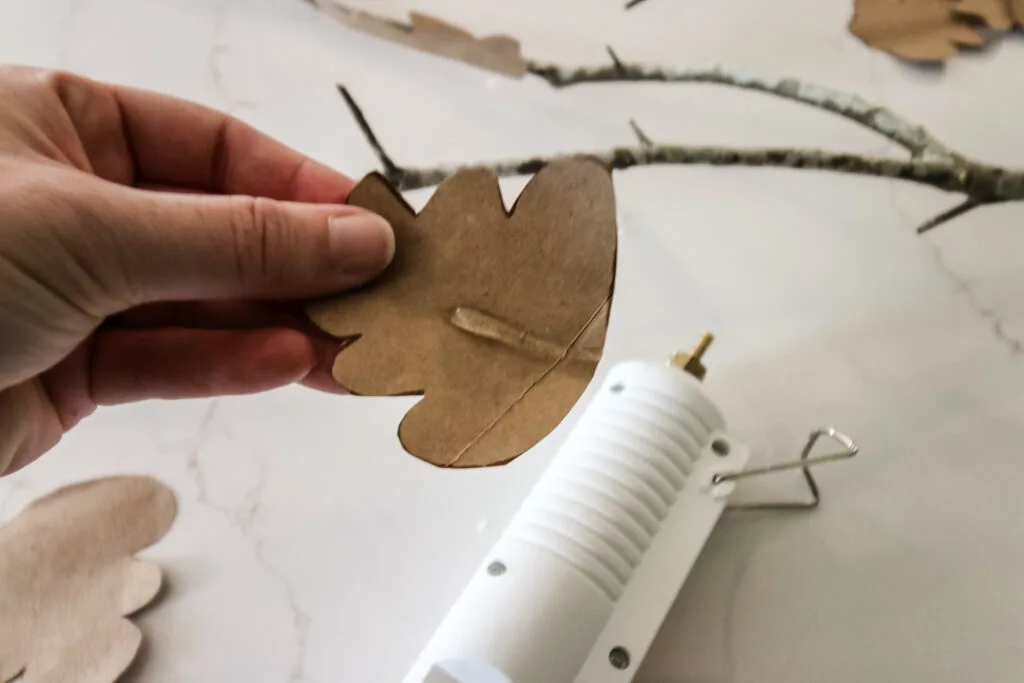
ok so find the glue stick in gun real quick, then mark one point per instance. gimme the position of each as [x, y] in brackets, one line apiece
[579, 583]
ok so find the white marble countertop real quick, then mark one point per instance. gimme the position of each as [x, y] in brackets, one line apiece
[309, 548]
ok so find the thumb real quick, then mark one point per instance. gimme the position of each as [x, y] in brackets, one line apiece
[175, 246]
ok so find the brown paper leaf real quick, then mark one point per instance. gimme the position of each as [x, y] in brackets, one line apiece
[498, 319]
[68, 579]
[992, 13]
[1017, 11]
[428, 34]
[925, 30]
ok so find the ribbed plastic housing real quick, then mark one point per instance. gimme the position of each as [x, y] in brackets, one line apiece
[537, 605]
[603, 499]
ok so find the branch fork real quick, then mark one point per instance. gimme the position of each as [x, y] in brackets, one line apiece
[931, 162]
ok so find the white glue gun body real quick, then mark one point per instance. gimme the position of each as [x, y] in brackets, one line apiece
[578, 585]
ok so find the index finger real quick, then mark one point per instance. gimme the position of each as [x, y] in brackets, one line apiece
[181, 143]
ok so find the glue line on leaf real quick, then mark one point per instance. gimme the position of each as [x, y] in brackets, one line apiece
[486, 326]
[551, 368]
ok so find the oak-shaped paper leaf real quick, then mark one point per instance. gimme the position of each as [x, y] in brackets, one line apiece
[498, 318]
[499, 53]
[68, 579]
[928, 30]
[993, 14]
[1017, 10]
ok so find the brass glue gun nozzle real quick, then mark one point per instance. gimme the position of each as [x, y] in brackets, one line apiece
[690, 361]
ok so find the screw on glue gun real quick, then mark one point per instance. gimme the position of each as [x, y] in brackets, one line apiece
[692, 362]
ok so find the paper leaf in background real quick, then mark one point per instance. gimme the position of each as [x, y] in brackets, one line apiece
[68, 579]
[428, 34]
[931, 30]
[1017, 10]
[498, 318]
[995, 14]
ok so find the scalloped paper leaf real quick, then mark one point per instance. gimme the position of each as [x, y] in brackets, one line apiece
[68, 579]
[1017, 10]
[498, 318]
[499, 53]
[931, 30]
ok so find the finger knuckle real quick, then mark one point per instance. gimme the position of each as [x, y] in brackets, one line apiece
[55, 81]
[28, 75]
[258, 228]
[40, 91]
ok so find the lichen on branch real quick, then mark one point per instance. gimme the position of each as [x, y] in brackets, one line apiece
[931, 162]
[913, 137]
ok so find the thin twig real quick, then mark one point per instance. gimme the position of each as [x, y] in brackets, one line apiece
[620, 68]
[391, 170]
[918, 141]
[960, 209]
[633, 3]
[641, 136]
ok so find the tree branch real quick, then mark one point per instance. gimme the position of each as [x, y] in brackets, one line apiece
[984, 184]
[932, 163]
[914, 138]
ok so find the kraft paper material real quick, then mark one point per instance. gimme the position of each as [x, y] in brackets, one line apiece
[497, 318]
[68, 579]
[932, 30]
[428, 34]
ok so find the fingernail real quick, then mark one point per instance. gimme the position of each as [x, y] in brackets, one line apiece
[361, 243]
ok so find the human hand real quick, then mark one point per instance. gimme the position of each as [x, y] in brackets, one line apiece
[149, 248]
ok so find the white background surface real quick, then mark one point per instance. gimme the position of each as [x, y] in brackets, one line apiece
[309, 548]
